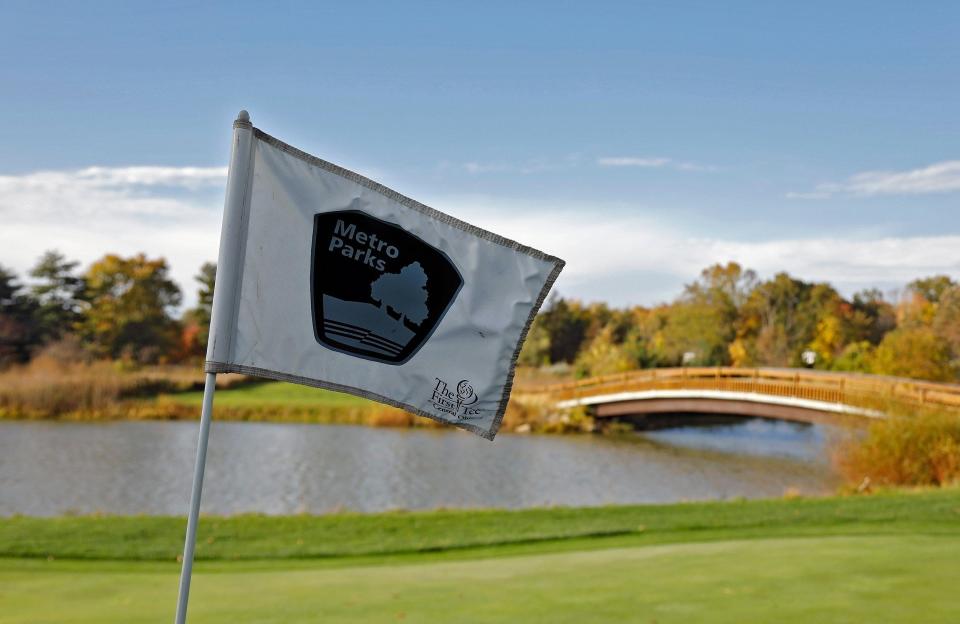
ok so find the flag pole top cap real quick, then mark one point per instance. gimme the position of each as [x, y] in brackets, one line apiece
[243, 120]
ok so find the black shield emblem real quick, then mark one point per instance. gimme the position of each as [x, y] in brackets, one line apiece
[378, 291]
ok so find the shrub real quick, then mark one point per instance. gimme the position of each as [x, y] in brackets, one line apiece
[922, 448]
[52, 388]
[393, 417]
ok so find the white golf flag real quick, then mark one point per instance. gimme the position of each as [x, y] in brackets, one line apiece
[328, 279]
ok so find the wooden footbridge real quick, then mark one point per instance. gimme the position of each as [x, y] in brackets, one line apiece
[777, 393]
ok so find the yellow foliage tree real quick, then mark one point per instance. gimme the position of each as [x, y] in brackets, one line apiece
[828, 342]
[603, 356]
[915, 352]
[130, 304]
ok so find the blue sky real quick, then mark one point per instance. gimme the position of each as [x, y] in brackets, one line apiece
[639, 141]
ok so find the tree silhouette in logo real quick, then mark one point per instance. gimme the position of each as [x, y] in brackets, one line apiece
[403, 295]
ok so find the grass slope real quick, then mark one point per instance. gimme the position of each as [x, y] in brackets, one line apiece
[833, 579]
[275, 402]
[150, 538]
[271, 393]
[883, 558]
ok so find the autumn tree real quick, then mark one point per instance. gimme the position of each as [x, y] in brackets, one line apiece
[932, 288]
[846, 340]
[536, 347]
[703, 319]
[207, 278]
[699, 328]
[780, 318]
[196, 321]
[946, 321]
[728, 316]
[725, 284]
[643, 343]
[599, 317]
[603, 356]
[872, 316]
[915, 352]
[131, 301]
[839, 324]
[856, 357]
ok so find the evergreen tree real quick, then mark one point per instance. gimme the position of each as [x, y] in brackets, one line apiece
[19, 332]
[566, 322]
[58, 291]
[197, 320]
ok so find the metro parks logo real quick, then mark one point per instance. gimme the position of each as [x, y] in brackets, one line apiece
[378, 291]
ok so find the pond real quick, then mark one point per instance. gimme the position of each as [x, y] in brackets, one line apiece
[50, 468]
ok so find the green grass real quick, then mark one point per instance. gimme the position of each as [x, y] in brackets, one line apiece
[272, 402]
[158, 538]
[834, 579]
[883, 558]
[271, 393]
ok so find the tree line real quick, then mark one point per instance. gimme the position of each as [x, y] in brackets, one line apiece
[127, 308]
[118, 308]
[729, 317]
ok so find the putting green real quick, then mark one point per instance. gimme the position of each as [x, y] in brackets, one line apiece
[892, 578]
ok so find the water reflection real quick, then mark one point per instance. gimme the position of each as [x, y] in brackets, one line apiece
[146, 467]
[752, 436]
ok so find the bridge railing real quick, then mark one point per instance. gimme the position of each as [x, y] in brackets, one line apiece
[853, 389]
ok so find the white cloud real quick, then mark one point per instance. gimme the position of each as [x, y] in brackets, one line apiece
[942, 177]
[632, 161]
[175, 213]
[597, 249]
[107, 191]
[185, 177]
[652, 163]
[117, 178]
[539, 165]
[535, 165]
[163, 211]
[475, 167]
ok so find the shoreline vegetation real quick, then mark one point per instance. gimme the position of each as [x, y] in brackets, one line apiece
[46, 389]
[913, 446]
[108, 343]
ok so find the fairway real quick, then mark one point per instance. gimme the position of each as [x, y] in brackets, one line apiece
[892, 557]
[832, 579]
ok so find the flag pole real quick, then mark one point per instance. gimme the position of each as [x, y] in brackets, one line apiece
[223, 316]
[209, 386]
